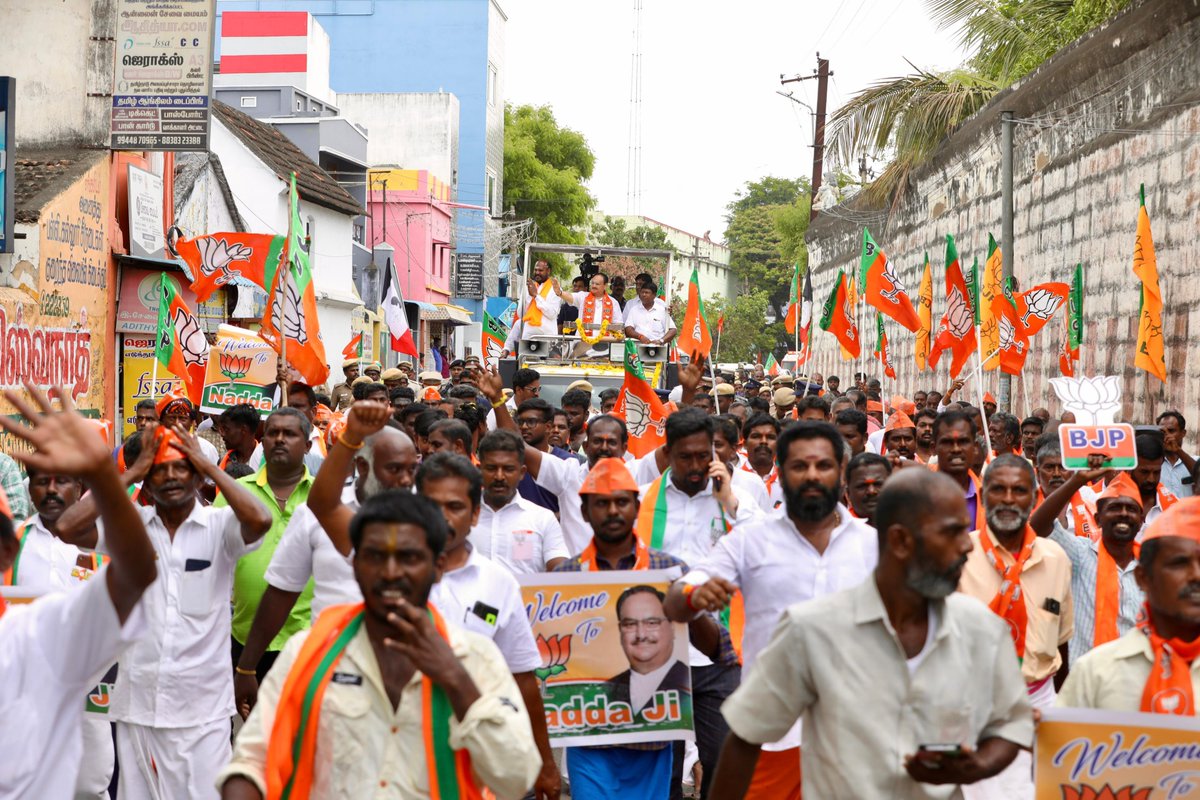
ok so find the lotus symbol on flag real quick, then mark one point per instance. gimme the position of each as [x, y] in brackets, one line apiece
[217, 254]
[555, 651]
[491, 357]
[192, 343]
[637, 417]
[1006, 333]
[1041, 304]
[233, 366]
[293, 315]
[1093, 401]
[1105, 792]
[897, 286]
[958, 314]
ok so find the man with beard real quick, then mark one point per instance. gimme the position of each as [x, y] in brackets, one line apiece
[1076, 515]
[1152, 668]
[919, 399]
[609, 503]
[1005, 432]
[954, 446]
[1148, 476]
[306, 555]
[533, 418]
[814, 548]
[450, 436]
[1031, 429]
[577, 404]
[282, 486]
[924, 422]
[865, 476]
[900, 438]
[726, 439]
[901, 633]
[539, 306]
[1106, 594]
[174, 696]
[417, 705]
[520, 536]
[760, 434]
[1026, 581]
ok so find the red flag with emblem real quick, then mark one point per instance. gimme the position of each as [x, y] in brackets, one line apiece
[645, 415]
[882, 287]
[218, 259]
[956, 330]
[1014, 338]
[695, 340]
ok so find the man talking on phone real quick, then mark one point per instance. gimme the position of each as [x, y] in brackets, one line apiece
[907, 688]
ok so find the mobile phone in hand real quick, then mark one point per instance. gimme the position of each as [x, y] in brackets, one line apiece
[944, 750]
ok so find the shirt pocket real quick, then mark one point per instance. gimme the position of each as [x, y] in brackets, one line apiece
[196, 587]
[524, 545]
[345, 710]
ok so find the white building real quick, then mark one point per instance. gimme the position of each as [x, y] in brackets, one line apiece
[709, 258]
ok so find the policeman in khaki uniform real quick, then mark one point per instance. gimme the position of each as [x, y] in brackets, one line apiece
[342, 396]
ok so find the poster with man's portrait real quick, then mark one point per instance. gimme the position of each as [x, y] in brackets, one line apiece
[614, 668]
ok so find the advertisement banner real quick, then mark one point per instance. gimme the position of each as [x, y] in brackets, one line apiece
[146, 238]
[1087, 753]
[137, 310]
[137, 367]
[241, 369]
[162, 74]
[607, 679]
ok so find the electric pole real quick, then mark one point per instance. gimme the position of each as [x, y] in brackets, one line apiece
[822, 74]
[1006, 229]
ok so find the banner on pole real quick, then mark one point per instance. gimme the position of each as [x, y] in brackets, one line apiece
[590, 656]
[241, 369]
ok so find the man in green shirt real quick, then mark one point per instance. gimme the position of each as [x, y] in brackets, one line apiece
[282, 485]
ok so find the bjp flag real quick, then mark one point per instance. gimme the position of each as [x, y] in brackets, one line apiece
[219, 259]
[180, 345]
[694, 336]
[956, 331]
[1014, 339]
[791, 320]
[881, 348]
[837, 317]
[645, 415]
[1034, 307]
[1149, 355]
[925, 312]
[882, 287]
[990, 287]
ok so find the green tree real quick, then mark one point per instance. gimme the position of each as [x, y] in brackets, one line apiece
[767, 222]
[746, 331]
[545, 168]
[616, 232]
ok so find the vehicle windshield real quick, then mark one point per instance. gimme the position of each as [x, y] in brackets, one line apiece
[554, 386]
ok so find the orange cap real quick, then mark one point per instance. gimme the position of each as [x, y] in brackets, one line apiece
[168, 446]
[899, 419]
[609, 475]
[430, 394]
[987, 398]
[1181, 519]
[323, 413]
[1121, 486]
[167, 400]
[904, 404]
[875, 405]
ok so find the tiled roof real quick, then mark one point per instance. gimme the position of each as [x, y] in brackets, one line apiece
[43, 173]
[283, 157]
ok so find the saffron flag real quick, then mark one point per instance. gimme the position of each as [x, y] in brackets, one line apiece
[180, 345]
[1066, 356]
[925, 312]
[990, 287]
[395, 317]
[806, 314]
[881, 348]
[292, 305]
[837, 316]
[1014, 337]
[1150, 355]
[1034, 307]
[791, 320]
[492, 337]
[645, 415]
[694, 337]
[956, 330]
[354, 349]
[219, 259]
[882, 287]
[720, 323]
[852, 291]
[772, 366]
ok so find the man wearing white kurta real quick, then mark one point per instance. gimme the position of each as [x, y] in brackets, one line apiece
[539, 304]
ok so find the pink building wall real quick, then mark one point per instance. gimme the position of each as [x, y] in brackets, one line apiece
[416, 221]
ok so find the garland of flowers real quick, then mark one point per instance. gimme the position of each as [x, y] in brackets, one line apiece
[601, 332]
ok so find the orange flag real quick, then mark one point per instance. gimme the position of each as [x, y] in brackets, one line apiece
[925, 312]
[645, 415]
[882, 286]
[956, 331]
[1149, 355]
[216, 260]
[881, 348]
[990, 287]
[694, 336]
[1035, 307]
[1014, 339]
[838, 316]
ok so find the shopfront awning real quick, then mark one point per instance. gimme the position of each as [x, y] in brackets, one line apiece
[443, 312]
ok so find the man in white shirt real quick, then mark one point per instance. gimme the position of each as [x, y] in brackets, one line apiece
[816, 547]
[520, 536]
[647, 320]
[539, 306]
[878, 670]
[53, 650]
[1177, 462]
[174, 696]
[598, 312]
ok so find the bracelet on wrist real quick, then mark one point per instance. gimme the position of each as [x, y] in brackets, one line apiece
[241, 671]
[349, 446]
[499, 402]
[688, 589]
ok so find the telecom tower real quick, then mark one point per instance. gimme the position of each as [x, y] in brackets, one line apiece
[633, 164]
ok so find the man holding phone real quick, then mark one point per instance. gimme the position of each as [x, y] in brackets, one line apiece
[908, 688]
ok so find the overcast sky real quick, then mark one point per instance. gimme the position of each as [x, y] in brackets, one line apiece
[711, 119]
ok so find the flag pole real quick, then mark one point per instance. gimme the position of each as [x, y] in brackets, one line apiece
[987, 436]
[154, 376]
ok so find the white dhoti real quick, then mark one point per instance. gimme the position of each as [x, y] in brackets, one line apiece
[171, 763]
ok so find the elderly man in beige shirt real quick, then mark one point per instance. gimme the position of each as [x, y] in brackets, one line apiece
[1026, 581]
[397, 668]
[907, 688]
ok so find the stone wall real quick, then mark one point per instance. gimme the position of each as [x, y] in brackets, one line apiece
[1118, 108]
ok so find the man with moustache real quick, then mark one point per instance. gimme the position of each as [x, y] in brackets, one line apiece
[865, 476]
[1148, 476]
[901, 633]
[816, 547]
[900, 438]
[1153, 667]
[539, 304]
[924, 422]
[404, 700]
[1076, 517]
[1026, 581]
[954, 445]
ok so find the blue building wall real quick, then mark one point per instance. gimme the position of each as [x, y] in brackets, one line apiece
[412, 46]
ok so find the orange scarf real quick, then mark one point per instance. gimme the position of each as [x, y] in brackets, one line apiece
[291, 752]
[1169, 687]
[1081, 515]
[587, 559]
[1009, 602]
[589, 306]
[1108, 595]
[533, 314]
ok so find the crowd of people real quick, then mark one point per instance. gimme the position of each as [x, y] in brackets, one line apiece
[325, 602]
